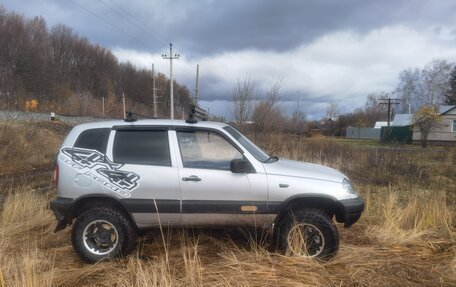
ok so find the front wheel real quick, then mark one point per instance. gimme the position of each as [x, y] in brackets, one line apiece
[309, 233]
[102, 233]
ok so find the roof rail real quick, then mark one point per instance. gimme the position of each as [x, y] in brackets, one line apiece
[195, 114]
[129, 117]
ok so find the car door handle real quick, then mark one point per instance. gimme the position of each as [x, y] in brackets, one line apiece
[191, 178]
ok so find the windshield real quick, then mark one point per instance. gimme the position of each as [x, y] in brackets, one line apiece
[258, 153]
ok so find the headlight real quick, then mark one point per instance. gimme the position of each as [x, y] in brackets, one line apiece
[348, 187]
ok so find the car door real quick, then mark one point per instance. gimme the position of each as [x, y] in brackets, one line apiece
[144, 156]
[211, 194]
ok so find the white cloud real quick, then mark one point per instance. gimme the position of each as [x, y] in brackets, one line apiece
[344, 66]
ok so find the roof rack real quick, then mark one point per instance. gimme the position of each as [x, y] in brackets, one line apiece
[195, 114]
[129, 117]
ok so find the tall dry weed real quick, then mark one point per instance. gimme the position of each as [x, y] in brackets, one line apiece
[26, 146]
[412, 216]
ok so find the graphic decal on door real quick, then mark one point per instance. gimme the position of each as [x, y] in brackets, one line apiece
[98, 167]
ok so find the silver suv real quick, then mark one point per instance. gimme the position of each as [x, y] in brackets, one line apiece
[116, 178]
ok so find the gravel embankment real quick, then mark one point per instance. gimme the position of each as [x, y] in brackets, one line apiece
[38, 117]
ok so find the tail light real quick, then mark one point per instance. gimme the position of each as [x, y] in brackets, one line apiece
[55, 175]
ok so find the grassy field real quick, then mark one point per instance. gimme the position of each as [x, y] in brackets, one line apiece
[406, 237]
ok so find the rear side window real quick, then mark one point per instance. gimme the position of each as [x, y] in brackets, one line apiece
[141, 147]
[96, 139]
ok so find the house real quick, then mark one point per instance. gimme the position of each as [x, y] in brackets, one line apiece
[444, 130]
[379, 125]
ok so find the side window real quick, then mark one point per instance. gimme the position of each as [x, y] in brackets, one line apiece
[202, 149]
[96, 139]
[454, 126]
[141, 147]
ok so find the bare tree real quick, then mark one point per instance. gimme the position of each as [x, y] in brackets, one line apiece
[424, 119]
[450, 97]
[56, 66]
[427, 86]
[267, 115]
[243, 96]
[409, 89]
[436, 80]
[332, 111]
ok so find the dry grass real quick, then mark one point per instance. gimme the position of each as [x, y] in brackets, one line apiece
[27, 147]
[384, 249]
[406, 237]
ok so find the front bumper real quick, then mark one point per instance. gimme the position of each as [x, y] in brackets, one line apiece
[352, 210]
[63, 209]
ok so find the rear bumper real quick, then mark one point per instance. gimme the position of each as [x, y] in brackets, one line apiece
[352, 210]
[63, 209]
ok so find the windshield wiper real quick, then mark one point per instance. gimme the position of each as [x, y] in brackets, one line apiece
[271, 159]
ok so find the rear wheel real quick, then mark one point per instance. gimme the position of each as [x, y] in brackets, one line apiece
[102, 233]
[309, 233]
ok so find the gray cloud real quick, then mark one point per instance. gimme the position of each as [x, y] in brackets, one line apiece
[326, 51]
[207, 27]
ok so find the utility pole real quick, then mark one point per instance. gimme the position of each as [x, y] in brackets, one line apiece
[154, 92]
[123, 102]
[171, 58]
[389, 102]
[103, 104]
[196, 85]
[340, 125]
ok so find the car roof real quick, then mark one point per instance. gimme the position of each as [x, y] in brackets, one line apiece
[150, 122]
[77, 130]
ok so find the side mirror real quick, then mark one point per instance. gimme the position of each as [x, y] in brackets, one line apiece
[241, 166]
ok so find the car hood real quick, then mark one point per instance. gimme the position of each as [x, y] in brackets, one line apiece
[303, 169]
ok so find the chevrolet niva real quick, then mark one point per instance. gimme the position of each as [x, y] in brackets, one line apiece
[117, 178]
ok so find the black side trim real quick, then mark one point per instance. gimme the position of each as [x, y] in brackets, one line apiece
[278, 207]
[224, 207]
[347, 211]
[63, 209]
[148, 205]
[353, 208]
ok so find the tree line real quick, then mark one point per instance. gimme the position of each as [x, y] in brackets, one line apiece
[433, 85]
[64, 72]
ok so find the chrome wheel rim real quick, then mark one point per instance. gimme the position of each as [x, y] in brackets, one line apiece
[100, 237]
[305, 240]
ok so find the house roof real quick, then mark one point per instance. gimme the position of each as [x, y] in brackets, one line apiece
[444, 109]
[401, 120]
[378, 125]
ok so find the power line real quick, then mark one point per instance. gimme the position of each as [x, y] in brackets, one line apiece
[132, 22]
[138, 24]
[110, 24]
[156, 36]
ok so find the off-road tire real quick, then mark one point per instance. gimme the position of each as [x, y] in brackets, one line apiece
[313, 218]
[125, 233]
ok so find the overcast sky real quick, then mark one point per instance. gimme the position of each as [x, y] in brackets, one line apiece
[325, 51]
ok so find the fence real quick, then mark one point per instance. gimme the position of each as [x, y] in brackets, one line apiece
[397, 134]
[363, 133]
